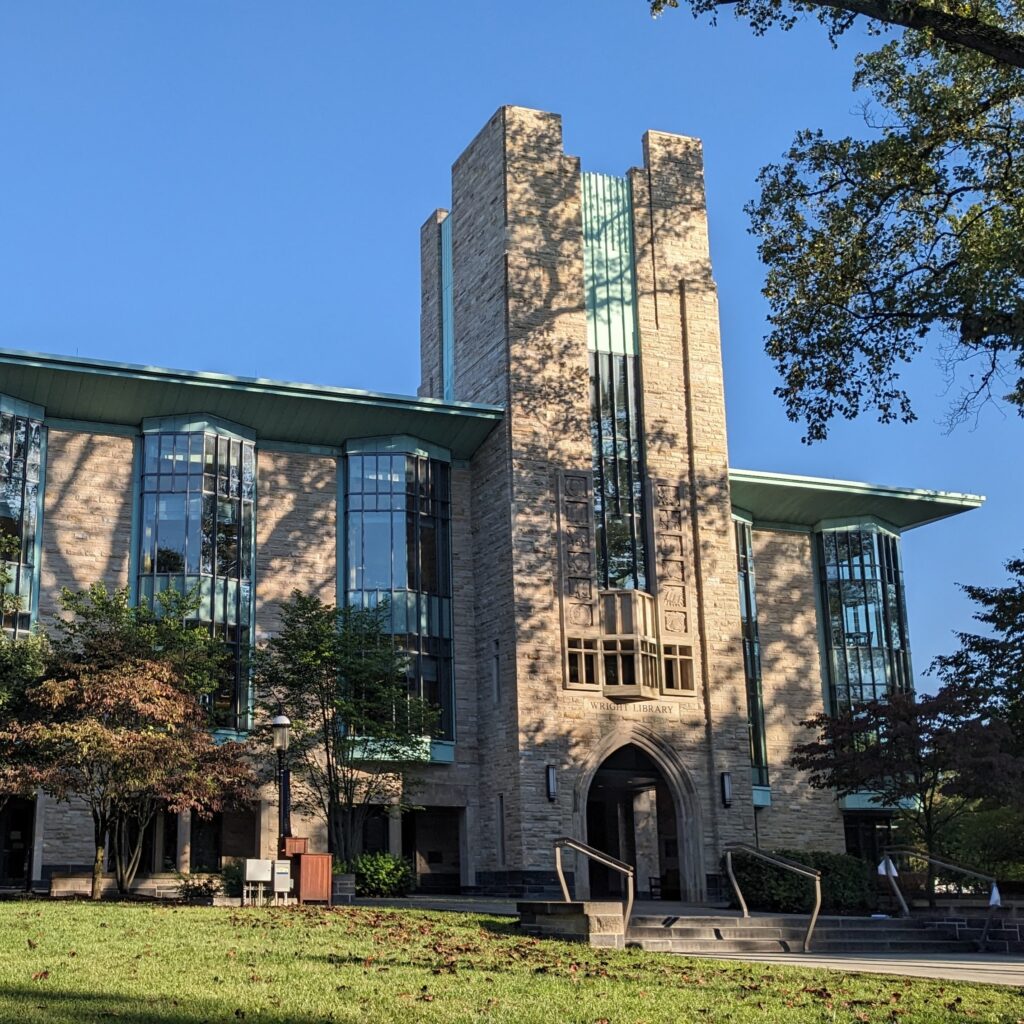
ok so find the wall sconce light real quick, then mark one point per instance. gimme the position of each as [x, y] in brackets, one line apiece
[551, 778]
[726, 778]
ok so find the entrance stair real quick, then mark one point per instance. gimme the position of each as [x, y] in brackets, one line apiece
[784, 933]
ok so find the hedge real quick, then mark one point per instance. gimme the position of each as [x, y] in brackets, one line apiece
[847, 883]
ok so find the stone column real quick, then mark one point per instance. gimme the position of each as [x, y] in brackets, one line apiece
[38, 824]
[185, 842]
[156, 861]
[395, 832]
[645, 826]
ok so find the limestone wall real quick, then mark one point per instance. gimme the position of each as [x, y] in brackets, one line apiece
[296, 531]
[87, 513]
[800, 817]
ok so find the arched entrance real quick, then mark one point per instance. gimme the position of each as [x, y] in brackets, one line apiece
[636, 801]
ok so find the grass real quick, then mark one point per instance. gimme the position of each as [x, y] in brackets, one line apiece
[91, 963]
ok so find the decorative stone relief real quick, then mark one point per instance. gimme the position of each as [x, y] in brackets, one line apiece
[675, 594]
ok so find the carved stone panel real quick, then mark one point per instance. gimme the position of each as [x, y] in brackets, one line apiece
[675, 597]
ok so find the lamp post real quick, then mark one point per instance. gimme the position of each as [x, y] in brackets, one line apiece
[281, 725]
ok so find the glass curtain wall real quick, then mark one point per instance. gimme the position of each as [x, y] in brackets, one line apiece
[197, 531]
[399, 549]
[615, 422]
[866, 630]
[21, 446]
[751, 654]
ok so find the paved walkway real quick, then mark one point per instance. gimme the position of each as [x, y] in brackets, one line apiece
[990, 968]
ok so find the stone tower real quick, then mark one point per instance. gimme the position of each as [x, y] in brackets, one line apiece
[606, 626]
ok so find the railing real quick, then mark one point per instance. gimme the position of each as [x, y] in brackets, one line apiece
[602, 858]
[890, 874]
[786, 865]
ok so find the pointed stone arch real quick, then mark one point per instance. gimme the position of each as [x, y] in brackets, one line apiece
[686, 802]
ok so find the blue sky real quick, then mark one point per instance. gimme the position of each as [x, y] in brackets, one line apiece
[239, 187]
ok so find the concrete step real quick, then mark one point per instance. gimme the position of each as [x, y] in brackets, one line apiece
[771, 921]
[704, 947]
[785, 933]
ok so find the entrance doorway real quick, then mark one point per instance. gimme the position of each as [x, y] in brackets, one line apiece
[631, 814]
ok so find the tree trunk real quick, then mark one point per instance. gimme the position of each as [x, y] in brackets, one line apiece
[97, 868]
[128, 852]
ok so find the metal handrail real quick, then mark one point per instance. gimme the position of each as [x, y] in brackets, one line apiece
[602, 858]
[890, 874]
[780, 862]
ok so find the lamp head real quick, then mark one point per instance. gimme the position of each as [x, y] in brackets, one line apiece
[282, 727]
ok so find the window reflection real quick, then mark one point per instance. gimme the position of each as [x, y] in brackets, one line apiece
[21, 441]
[866, 632]
[198, 495]
[751, 654]
[398, 522]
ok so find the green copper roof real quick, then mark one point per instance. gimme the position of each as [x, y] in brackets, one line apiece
[94, 390]
[808, 500]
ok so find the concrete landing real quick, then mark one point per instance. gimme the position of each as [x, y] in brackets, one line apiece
[987, 968]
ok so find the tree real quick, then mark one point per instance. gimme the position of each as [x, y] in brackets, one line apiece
[357, 734]
[22, 658]
[120, 723]
[929, 756]
[992, 666]
[875, 245]
[990, 28]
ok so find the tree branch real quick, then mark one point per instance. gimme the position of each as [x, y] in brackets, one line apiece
[970, 33]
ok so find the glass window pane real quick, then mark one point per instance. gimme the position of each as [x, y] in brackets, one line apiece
[227, 538]
[170, 553]
[193, 550]
[376, 551]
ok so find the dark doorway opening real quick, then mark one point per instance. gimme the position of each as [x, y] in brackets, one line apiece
[631, 815]
[430, 841]
[16, 818]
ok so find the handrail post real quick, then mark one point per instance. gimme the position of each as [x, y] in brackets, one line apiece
[630, 892]
[890, 874]
[561, 874]
[735, 884]
[814, 916]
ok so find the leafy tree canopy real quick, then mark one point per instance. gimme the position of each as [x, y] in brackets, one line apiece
[357, 733]
[875, 245]
[119, 723]
[930, 756]
[991, 664]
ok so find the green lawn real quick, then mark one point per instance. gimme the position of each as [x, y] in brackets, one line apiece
[84, 963]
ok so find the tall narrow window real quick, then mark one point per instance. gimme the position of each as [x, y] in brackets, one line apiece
[399, 526]
[866, 623]
[447, 311]
[21, 445]
[197, 531]
[751, 654]
[615, 424]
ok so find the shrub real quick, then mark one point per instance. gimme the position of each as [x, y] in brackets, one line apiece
[847, 883]
[232, 877]
[381, 874]
[192, 887]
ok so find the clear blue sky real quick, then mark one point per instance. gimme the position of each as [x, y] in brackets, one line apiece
[239, 187]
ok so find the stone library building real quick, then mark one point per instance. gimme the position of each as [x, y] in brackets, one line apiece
[622, 631]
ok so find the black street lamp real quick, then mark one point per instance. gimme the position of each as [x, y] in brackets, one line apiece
[282, 726]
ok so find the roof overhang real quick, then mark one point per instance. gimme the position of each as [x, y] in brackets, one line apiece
[122, 394]
[807, 501]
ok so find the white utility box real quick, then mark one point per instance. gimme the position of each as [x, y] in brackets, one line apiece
[259, 870]
[282, 876]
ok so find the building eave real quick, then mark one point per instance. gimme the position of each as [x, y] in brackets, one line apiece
[806, 501]
[123, 394]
